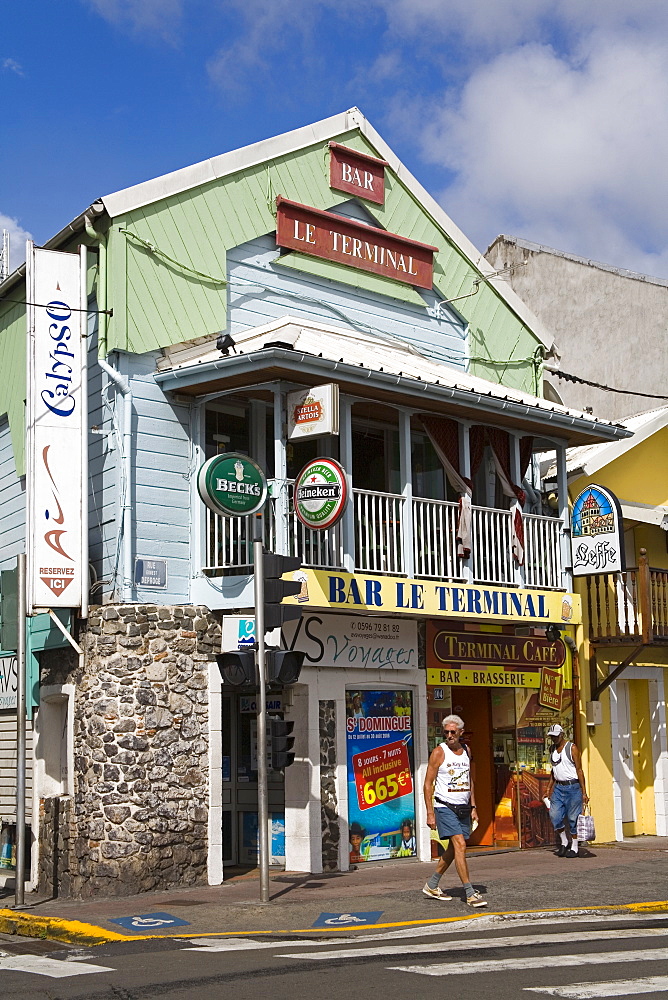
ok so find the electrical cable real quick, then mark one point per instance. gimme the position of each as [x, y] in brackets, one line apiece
[42, 305]
[598, 385]
[184, 267]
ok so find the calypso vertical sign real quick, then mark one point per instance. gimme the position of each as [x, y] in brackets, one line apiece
[55, 457]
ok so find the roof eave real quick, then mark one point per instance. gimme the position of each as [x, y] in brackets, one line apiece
[558, 424]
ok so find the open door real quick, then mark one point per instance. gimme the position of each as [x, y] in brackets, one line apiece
[473, 705]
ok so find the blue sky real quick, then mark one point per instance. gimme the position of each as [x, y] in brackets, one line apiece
[545, 119]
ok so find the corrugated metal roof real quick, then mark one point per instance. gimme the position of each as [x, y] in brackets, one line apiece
[356, 348]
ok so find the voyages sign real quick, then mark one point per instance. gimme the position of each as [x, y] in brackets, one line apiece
[344, 241]
[55, 454]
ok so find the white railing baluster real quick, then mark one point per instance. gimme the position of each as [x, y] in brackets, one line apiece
[379, 525]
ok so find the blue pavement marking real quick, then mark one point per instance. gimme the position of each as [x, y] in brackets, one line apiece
[150, 922]
[348, 919]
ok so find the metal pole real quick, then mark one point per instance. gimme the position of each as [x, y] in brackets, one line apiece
[21, 733]
[262, 775]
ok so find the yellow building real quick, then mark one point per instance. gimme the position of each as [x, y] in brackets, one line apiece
[623, 643]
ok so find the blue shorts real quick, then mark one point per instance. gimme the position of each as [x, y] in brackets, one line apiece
[565, 803]
[449, 824]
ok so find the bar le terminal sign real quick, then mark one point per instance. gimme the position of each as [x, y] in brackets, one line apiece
[354, 244]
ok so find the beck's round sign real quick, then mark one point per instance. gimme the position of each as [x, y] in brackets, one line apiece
[232, 484]
[321, 493]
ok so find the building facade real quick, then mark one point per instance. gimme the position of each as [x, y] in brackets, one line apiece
[309, 260]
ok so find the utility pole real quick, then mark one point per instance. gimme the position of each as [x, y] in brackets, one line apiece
[262, 774]
[20, 733]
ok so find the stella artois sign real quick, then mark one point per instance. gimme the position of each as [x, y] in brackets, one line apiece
[312, 412]
[321, 493]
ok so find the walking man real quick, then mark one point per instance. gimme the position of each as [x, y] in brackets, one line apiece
[566, 790]
[451, 808]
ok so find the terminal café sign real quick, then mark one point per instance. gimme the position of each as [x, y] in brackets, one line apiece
[345, 241]
[490, 659]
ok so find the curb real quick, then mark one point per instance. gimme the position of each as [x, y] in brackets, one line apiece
[54, 929]
[77, 932]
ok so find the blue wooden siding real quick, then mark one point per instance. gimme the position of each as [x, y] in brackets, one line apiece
[103, 472]
[162, 472]
[262, 290]
[12, 502]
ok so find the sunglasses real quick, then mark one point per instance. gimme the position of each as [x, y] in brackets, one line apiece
[451, 732]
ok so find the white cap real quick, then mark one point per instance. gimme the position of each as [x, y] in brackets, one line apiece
[555, 730]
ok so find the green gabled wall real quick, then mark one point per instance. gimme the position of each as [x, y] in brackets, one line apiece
[156, 304]
[13, 338]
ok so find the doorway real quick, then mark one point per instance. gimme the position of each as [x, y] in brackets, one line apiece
[239, 777]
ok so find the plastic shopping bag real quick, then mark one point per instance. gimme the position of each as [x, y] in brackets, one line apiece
[585, 826]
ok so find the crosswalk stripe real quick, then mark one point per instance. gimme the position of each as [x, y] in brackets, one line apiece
[535, 962]
[55, 968]
[477, 922]
[593, 991]
[490, 942]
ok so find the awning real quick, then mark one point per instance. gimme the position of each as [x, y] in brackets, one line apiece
[645, 513]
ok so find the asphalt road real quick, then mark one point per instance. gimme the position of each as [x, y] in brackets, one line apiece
[576, 957]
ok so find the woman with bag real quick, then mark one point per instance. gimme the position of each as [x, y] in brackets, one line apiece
[566, 791]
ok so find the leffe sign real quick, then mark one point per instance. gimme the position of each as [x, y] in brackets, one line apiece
[55, 398]
[345, 241]
[597, 533]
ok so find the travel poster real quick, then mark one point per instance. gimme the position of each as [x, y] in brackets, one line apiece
[381, 797]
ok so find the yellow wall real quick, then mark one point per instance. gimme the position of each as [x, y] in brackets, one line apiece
[643, 766]
[641, 474]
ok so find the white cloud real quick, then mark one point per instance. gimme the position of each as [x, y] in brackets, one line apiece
[563, 149]
[13, 65]
[156, 18]
[17, 240]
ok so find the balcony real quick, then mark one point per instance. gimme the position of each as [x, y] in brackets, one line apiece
[389, 532]
[628, 608]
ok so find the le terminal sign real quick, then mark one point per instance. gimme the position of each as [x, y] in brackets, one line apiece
[354, 244]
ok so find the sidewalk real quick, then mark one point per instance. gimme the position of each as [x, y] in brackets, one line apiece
[608, 876]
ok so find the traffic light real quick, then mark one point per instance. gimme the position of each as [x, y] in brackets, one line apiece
[283, 666]
[275, 589]
[237, 669]
[282, 743]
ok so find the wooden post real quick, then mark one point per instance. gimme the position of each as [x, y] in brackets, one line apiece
[645, 597]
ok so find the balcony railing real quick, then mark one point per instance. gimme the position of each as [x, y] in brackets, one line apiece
[628, 607]
[380, 545]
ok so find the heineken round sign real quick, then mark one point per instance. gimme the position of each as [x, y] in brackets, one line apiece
[321, 493]
[232, 484]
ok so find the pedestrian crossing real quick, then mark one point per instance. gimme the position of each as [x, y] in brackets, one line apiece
[590, 991]
[453, 957]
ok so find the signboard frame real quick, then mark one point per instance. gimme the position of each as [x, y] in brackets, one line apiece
[597, 526]
[242, 472]
[56, 431]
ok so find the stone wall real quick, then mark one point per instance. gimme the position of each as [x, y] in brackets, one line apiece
[328, 798]
[138, 820]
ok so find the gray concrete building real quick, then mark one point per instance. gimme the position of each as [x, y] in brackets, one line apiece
[610, 324]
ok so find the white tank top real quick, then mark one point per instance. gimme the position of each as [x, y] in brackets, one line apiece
[453, 779]
[562, 767]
